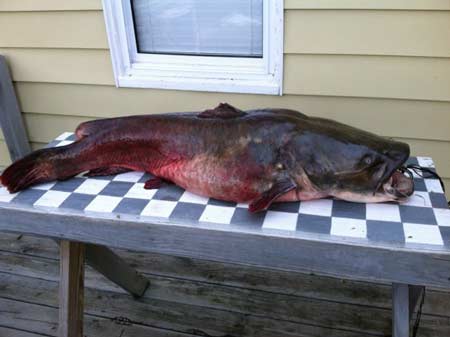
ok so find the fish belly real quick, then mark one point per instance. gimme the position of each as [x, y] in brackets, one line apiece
[215, 178]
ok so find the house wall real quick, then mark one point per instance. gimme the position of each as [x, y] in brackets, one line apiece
[379, 65]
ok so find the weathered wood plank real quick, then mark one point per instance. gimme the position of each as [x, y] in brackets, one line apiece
[411, 33]
[10, 116]
[71, 289]
[368, 4]
[76, 29]
[105, 261]
[8, 332]
[400, 310]
[231, 299]
[282, 252]
[24, 249]
[290, 306]
[43, 320]
[43, 269]
[50, 5]
[177, 317]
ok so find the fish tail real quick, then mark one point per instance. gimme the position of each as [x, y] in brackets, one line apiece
[41, 166]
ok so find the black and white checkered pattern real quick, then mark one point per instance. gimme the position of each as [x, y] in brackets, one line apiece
[423, 220]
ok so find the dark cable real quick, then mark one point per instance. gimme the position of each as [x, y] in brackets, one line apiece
[419, 170]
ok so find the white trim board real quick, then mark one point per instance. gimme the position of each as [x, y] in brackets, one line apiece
[199, 73]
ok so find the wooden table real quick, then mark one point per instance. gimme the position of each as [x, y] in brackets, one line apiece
[406, 245]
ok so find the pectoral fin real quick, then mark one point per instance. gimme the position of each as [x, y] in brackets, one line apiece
[264, 200]
[155, 182]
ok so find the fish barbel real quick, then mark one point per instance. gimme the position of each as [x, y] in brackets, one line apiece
[257, 156]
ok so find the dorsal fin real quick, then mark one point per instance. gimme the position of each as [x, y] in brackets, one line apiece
[223, 110]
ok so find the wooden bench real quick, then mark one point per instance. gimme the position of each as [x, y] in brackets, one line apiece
[407, 245]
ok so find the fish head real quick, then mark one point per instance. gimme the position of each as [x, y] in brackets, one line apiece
[354, 165]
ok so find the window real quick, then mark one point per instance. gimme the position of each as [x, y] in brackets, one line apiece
[207, 45]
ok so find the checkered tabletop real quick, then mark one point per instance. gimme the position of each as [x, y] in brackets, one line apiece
[422, 222]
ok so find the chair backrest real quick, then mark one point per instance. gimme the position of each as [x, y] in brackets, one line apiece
[11, 121]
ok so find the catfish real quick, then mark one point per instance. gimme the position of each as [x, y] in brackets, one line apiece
[256, 156]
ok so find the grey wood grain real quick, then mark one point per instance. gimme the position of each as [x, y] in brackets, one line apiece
[105, 261]
[232, 275]
[114, 268]
[10, 116]
[165, 315]
[400, 310]
[43, 321]
[8, 332]
[71, 289]
[370, 263]
[209, 299]
[237, 300]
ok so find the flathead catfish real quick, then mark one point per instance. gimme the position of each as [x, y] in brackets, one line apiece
[255, 156]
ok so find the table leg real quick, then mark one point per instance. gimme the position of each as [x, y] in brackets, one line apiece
[113, 267]
[71, 289]
[404, 300]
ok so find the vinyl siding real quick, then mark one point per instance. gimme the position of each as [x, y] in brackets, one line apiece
[380, 65]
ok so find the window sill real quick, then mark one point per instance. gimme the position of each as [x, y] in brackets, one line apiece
[263, 85]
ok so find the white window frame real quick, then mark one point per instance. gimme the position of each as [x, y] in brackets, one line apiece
[201, 73]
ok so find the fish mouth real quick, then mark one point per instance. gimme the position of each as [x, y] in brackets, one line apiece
[393, 182]
[398, 186]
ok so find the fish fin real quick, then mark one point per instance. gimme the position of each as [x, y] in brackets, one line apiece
[106, 171]
[94, 127]
[265, 199]
[152, 183]
[41, 166]
[223, 110]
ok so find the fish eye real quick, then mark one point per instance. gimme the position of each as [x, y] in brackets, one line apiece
[367, 160]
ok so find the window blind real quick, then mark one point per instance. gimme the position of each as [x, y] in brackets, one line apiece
[199, 27]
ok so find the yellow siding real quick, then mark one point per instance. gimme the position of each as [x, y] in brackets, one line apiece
[4, 155]
[368, 32]
[368, 4]
[53, 29]
[380, 65]
[49, 5]
[335, 32]
[328, 75]
[88, 66]
[368, 76]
